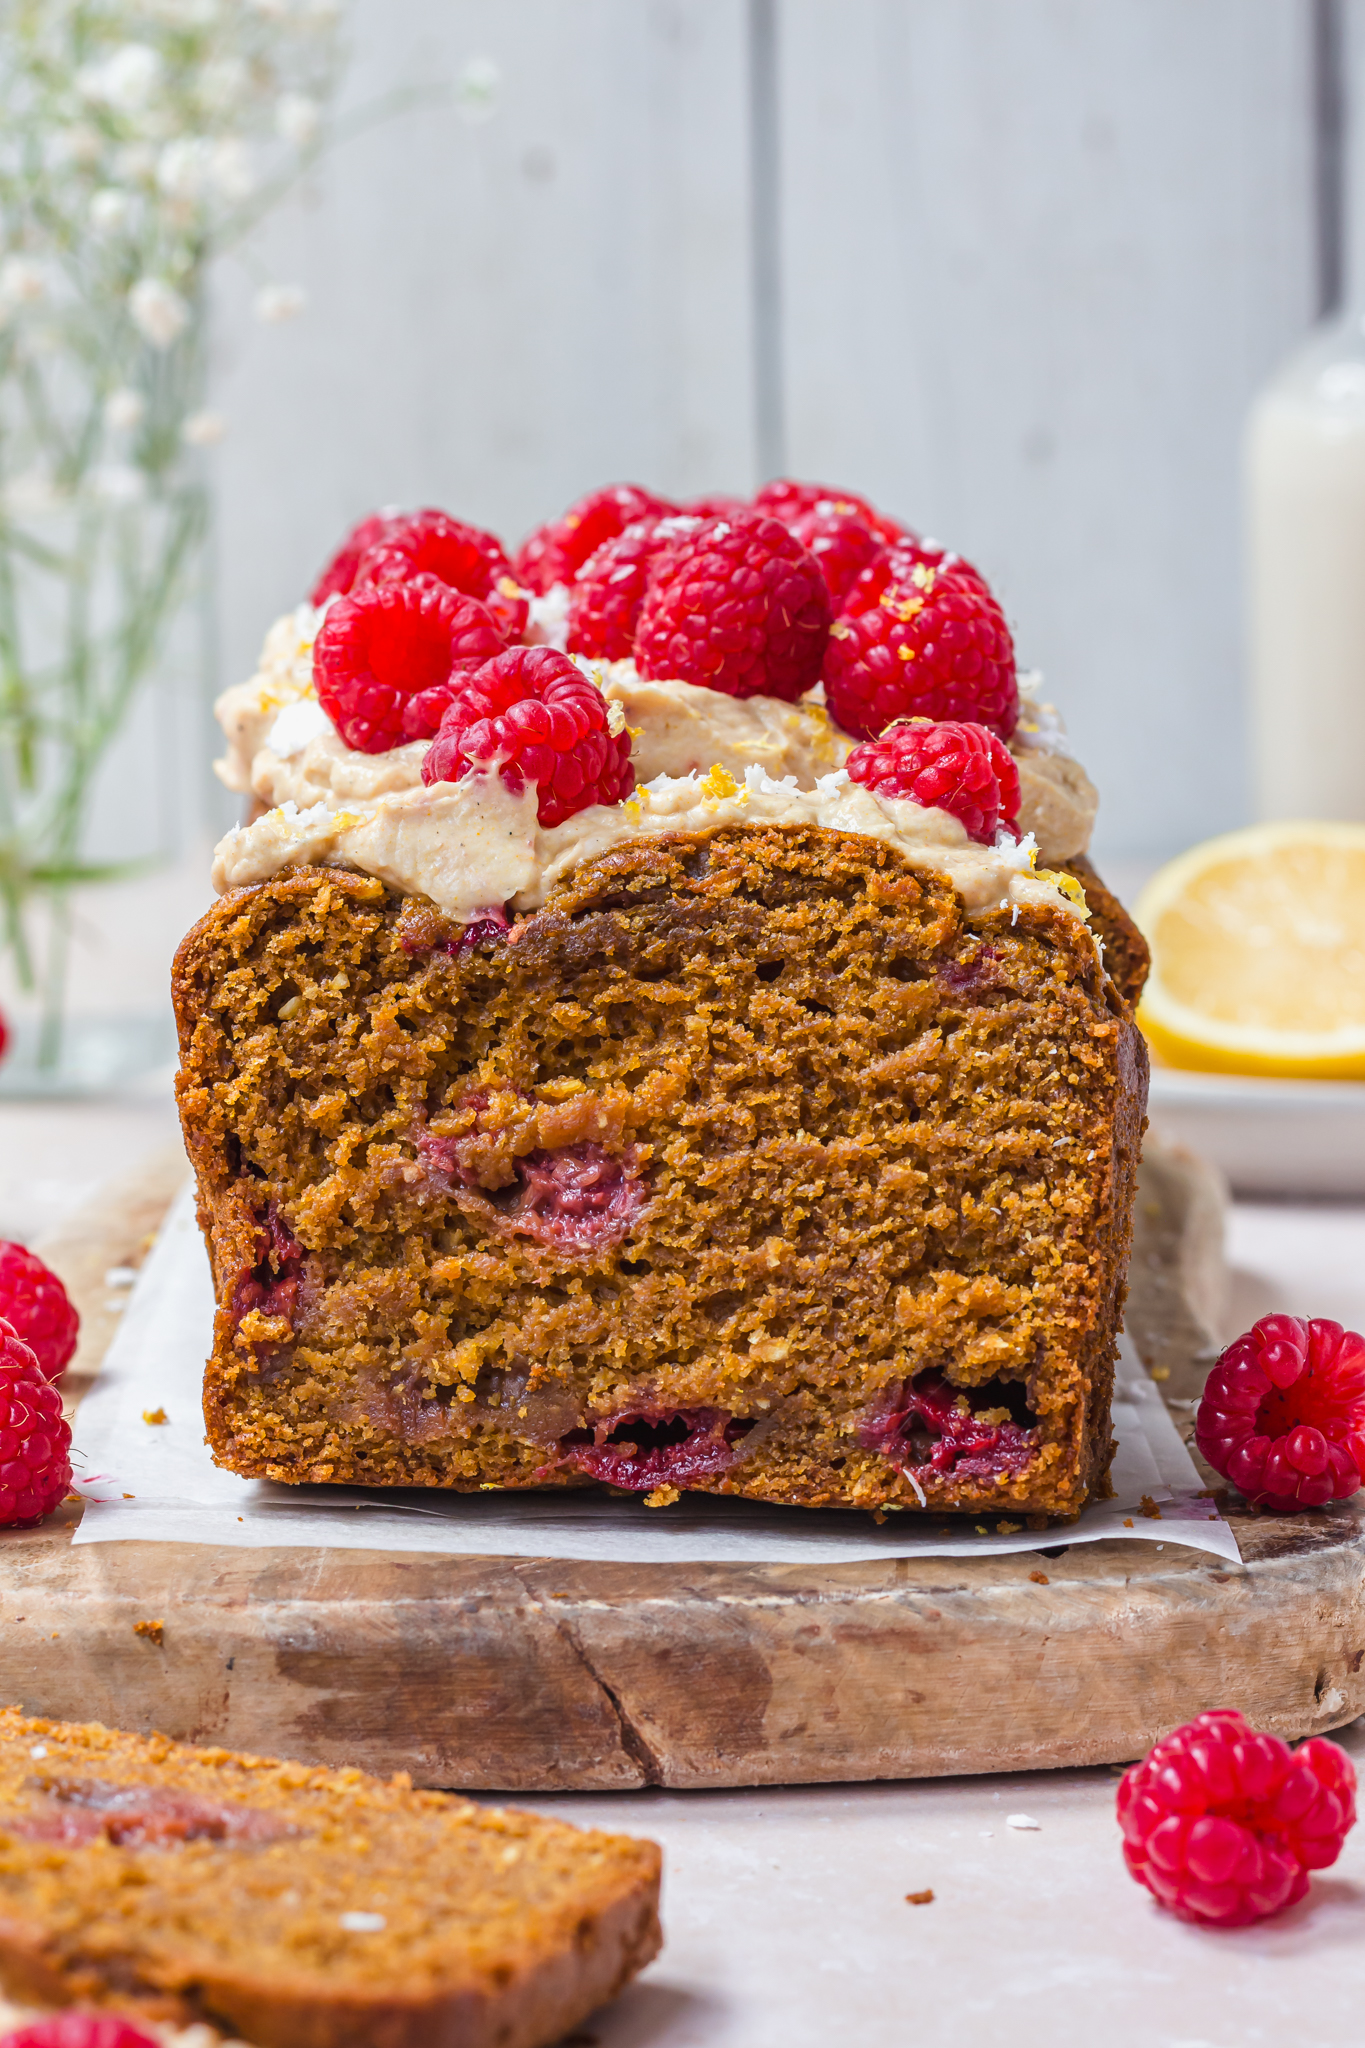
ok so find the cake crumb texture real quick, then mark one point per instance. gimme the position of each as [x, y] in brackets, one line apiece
[302, 1908]
[750, 1164]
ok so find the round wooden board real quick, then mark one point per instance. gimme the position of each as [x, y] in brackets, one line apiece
[534, 1675]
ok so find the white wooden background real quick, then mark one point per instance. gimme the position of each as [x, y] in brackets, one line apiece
[1035, 257]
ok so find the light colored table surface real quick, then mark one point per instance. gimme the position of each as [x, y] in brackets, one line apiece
[785, 1911]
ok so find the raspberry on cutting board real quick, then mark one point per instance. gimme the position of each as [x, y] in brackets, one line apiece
[935, 646]
[385, 655]
[556, 552]
[1282, 1414]
[536, 714]
[35, 1303]
[1223, 1825]
[951, 766]
[35, 1439]
[738, 605]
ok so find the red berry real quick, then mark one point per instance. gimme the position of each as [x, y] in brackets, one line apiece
[789, 501]
[536, 714]
[717, 505]
[385, 655]
[935, 646]
[954, 767]
[737, 605]
[339, 574]
[842, 543]
[1283, 1413]
[4, 1034]
[35, 1441]
[555, 553]
[1223, 1825]
[897, 564]
[35, 1303]
[71, 2029]
[431, 543]
[604, 603]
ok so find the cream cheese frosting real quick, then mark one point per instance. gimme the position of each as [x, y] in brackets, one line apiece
[702, 760]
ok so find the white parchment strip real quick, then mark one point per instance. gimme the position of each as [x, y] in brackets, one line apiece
[179, 1495]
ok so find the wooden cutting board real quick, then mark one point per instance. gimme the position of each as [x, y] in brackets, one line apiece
[533, 1675]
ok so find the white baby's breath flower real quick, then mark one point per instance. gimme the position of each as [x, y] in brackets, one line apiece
[118, 483]
[203, 429]
[22, 281]
[476, 92]
[125, 80]
[79, 145]
[136, 163]
[297, 119]
[159, 313]
[276, 302]
[124, 409]
[223, 83]
[231, 169]
[30, 493]
[182, 169]
[273, 10]
[110, 209]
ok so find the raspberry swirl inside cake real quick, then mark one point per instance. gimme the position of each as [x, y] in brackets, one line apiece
[639, 1078]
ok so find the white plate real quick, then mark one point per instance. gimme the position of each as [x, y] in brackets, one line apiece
[1269, 1137]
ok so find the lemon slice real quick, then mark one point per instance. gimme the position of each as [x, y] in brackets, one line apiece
[1258, 953]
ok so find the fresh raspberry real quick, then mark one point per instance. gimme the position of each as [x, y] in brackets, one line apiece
[71, 2029]
[842, 543]
[1224, 1825]
[737, 605]
[337, 578]
[35, 1303]
[431, 543]
[35, 1441]
[4, 1034]
[934, 646]
[385, 655]
[1283, 1413]
[717, 505]
[789, 501]
[555, 553]
[954, 766]
[604, 603]
[898, 562]
[534, 714]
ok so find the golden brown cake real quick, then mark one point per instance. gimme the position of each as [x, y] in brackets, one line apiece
[296, 1906]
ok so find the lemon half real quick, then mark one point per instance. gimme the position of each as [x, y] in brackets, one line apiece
[1258, 953]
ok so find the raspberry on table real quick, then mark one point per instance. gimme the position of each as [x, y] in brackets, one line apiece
[935, 646]
[952, 766]
[337, 578]
[737, 605]
[468, 559]
[385, 655]
[73, 2029]
[898, 562]
[1283, 1413]
[535, 712]
[35, 1439]
[1223, 1825]
[35, 1303]
[556, 552]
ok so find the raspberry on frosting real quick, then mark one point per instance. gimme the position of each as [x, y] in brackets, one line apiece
[898, 562]
[384, 658]
[737, 605]
[1283, 1413]
[337, 578]
[842, 543]
[555, 553]
[605, 601]
[533, 714]
[468, 559]
[787, 500]
[36, 1305]
[75, 2029]
[935, 646]
[952, 766]
[35, 1439]
[1223, 1825]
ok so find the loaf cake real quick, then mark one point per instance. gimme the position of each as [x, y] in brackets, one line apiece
[302, 1908]
[692, 1068]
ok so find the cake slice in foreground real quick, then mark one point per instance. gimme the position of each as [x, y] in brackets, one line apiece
[303, 1908]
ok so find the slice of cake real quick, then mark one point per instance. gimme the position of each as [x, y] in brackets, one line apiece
[288, 1905]
[765, 1127]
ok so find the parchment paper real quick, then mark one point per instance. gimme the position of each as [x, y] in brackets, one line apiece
[156, 1481]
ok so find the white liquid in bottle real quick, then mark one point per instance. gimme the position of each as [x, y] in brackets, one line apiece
[1306, 561]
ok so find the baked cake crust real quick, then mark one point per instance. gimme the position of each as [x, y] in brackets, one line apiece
[200, 1885]
[749, 1164]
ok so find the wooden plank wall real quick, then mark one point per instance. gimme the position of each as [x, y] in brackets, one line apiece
[1034, 257]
